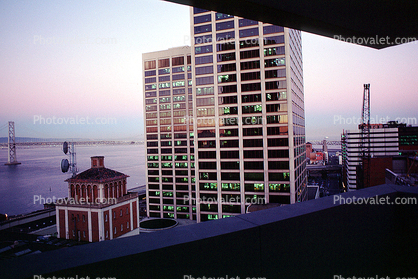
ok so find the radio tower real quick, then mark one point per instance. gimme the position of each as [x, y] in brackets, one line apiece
[365, 133]
[11, 146]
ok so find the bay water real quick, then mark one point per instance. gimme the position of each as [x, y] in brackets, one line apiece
[24, 187]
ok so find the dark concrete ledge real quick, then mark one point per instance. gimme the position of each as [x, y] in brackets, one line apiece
[376, 22]
[313, 239]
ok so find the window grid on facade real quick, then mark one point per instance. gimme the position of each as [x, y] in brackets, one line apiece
[243, 115]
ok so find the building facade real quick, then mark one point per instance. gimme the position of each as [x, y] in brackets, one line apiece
[98, 206]
[249, 114]
[245, 119]
[169, 135]
[387, 141]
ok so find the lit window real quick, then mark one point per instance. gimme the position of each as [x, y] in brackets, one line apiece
[227, 78]
[178, 83]
[164, 85]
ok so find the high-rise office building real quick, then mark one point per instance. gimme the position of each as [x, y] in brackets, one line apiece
[249, 114]
[169, 137]
[247, 128]
[388, 143]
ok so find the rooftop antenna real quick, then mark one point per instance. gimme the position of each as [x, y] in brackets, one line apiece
[72, 164]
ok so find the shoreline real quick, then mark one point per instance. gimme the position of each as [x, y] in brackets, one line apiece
[81, 143]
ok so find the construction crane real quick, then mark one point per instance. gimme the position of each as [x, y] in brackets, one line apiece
[365, 136]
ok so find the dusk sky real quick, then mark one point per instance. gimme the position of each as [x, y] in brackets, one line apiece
[64, 60]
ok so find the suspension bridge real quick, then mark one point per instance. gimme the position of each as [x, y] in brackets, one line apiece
[330, 142]
[13, 142]
[11, 145]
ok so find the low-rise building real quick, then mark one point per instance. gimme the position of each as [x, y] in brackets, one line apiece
[98, 206]
[388, 144]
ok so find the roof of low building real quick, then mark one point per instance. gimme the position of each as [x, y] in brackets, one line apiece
[141, 190]
[97, 175]
[312, 191]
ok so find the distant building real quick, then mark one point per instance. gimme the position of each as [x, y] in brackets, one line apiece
[319, 156]
[407, 176]
[334, 160]
[309, 150]
[315, 157]
[98, 206]
[387, 143]
[325, 151]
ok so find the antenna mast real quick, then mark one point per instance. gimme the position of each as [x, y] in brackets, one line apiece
[73, 163]
[65, 165]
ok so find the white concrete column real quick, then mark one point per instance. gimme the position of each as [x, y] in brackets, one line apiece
[110, 224]
[67, 235]
[101, 225]
[57, 220]
[90, 229]
[137, 212]
[131, 219]
[100, 191]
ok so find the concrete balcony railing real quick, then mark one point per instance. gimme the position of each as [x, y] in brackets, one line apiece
[321, 238]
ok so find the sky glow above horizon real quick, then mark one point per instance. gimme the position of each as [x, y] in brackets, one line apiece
[79, 60]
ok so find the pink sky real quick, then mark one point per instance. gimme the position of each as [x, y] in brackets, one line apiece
[103, 78]
[334, 74]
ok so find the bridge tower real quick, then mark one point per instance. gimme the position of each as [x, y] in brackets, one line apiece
[11, 146]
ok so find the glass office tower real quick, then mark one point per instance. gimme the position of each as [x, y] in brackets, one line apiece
[225, 123]
[248, 114]
[169, 138]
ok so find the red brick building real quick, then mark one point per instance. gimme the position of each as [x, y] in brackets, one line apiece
[98, 206]
[309, 150]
